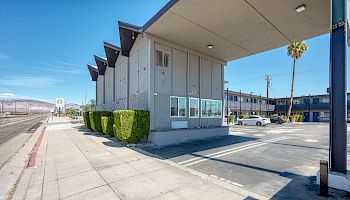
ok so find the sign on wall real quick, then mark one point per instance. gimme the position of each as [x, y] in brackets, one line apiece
[59, 103]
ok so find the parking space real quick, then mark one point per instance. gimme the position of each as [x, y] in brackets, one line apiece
[276, 160]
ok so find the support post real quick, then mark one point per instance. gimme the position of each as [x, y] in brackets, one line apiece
[338, 126]
[228, 116]
[324, 178]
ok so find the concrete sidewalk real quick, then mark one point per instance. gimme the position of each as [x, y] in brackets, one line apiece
[74, 163]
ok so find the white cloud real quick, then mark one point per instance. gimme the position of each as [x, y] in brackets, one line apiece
[61, 67]
[4, 56]
[28, 81]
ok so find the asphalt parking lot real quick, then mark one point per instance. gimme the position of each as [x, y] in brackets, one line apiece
[279, 161]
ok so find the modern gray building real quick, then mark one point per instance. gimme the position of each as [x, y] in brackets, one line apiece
[173, 65]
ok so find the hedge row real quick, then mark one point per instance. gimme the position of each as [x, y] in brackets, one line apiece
[130, 126]
[95, 119]
[107, 125]
[86, 120]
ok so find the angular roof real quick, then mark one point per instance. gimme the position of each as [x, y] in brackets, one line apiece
[101, 64]
[128, 34]
[112, 53]
[93, 72]
[239, 28]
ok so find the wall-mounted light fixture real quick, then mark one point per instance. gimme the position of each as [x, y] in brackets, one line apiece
[300, 8]
[210, 46]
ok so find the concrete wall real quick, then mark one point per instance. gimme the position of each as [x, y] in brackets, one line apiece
[100, 90]
[120, 81]
[139, 66]
[109, 85]
[190, 74]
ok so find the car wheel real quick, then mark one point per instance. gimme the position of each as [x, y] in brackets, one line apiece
[258, 123]
[239, 123]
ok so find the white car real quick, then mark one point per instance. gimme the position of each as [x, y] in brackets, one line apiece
[254, 120]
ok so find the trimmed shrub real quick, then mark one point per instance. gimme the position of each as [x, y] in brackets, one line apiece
[131, 126]
[95, 119]
[86, 119]
[232, 118]
[107, 125]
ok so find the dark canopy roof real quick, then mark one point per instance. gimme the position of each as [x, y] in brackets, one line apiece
[128, 34]
[101, 64]
[112, 53]
[93, 72]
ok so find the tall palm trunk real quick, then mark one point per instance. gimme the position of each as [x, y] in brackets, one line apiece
[292, 90]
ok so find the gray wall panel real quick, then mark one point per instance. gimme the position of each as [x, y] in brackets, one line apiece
[216, 81]
[162, 112]
[179, 73]
[194, 76]
[205, 71]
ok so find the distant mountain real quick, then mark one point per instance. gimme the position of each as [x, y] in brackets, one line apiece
[29, 106]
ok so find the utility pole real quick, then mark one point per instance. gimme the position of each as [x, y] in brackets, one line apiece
[260, 104]
[251, 103]
[309, 107]
[268, 79]
[240, 102]
[338, 110]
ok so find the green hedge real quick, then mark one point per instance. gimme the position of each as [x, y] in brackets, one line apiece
[107, 125]
[95, 119]
[87, 119]
[131, 126]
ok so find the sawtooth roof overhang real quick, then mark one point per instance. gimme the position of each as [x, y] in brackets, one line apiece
[238, 28]
[101, 64]
[93, 72]
[128, 34]
[112, 53]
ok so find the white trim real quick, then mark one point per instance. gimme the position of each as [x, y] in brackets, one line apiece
[178, 107]
[219, 117]
[189, 107]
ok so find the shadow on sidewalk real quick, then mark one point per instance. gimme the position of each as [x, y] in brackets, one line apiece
[193, 146]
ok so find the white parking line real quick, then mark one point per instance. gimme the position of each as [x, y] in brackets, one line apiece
[228, 151]
[228, 181]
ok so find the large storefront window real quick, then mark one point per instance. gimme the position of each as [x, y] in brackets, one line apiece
[177, 106]
[211, 108]
[194, 107]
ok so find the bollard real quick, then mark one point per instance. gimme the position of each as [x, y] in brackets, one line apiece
[324, 178]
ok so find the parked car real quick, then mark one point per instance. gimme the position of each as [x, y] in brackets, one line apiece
[277, 120]
[254, 120]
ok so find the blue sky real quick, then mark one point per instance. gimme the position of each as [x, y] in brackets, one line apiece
[45, 46]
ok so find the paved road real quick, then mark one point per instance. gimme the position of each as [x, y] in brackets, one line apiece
[277, 160]
[14, 132]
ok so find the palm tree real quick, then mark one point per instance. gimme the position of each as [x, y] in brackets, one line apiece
[295, 50]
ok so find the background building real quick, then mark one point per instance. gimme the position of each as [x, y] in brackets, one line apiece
[247, 104]
[313, 108]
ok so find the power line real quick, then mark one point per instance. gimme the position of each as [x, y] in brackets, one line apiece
[280, 74]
